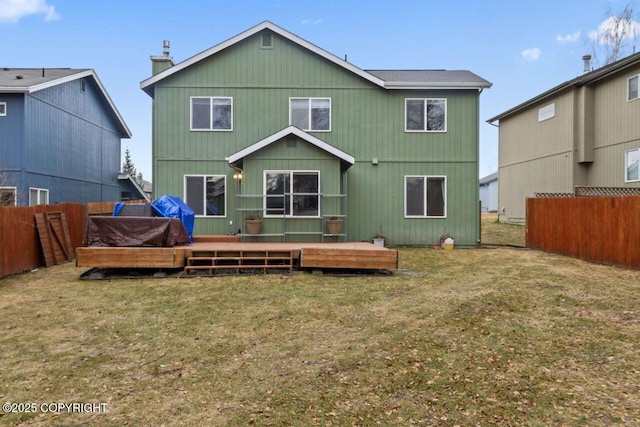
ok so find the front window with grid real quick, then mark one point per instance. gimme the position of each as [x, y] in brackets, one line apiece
[211, 113]
[425, 196]
[292, 193]
[206, 194]
[310, 114]
[425, 115]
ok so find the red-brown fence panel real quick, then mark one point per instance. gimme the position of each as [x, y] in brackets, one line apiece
[20, 248]
[604, 230]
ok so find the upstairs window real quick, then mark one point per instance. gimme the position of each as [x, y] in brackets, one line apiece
[425, 115]
[425, 197]
[38, 196]
[310, 114]
[206, 194]
[632, 87]
[211, 113]
[3, 108]
[8, 196]
[632, 165]
[292, 193]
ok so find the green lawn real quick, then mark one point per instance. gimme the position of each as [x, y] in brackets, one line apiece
[492, 336]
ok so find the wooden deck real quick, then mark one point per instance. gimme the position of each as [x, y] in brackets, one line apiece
[209, 255]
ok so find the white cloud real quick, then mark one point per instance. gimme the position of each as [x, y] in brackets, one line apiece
[612, 26]
[569, 38]
[312, 21]
[14, 10]
[531, 55]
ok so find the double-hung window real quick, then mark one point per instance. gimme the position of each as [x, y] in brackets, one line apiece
[632, 165]
[310, 114]
[211, 113]
[292, 193]
[632, 88]
[425, 196]
[38, 196]
[206, 194]
[425, 115]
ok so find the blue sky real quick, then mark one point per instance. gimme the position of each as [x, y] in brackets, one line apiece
[522, 47]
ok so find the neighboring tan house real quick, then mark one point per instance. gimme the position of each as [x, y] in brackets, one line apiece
[267, 123]
[60, 137]
[489, 193]
[584, 132]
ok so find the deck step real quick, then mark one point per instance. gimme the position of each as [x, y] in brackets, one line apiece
[239, 260]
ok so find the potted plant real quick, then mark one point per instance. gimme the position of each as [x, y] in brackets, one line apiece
[334, 224]
[253, 223]
[379, 238]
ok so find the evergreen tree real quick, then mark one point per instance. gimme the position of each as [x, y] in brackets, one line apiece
[128, 166]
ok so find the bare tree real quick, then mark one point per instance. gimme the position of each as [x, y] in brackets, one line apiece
[614, 35]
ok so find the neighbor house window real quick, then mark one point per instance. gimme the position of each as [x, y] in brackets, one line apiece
[211, 113]
[425, 196]
[38, 196]
[312, 114]
[292, 193]
[633, 88]
[425, 115]
[3, 108]
[8, 196]
[631, 165]
[206, 194]
[547, 112]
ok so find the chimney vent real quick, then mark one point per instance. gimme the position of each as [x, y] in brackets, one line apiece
[587, 63]
[165, 48]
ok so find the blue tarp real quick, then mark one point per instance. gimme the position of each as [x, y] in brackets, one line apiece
[173, 207]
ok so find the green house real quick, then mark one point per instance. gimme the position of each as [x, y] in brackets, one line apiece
[268, 124]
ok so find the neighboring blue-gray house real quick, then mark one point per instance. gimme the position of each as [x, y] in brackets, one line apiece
[60, 136]
[489, 193]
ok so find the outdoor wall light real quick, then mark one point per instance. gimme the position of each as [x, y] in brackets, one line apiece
[237, 176]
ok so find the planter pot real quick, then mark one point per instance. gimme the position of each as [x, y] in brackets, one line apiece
[253, 225]
[334, 226]
[378, 241]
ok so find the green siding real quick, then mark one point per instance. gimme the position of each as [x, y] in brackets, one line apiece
[367, 122]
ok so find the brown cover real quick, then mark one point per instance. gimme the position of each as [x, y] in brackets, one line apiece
[135, 231]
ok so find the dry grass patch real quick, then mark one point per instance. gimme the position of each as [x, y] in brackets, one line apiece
[481, 337]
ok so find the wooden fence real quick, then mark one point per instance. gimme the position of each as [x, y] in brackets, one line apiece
[604, 230]
[20, 248]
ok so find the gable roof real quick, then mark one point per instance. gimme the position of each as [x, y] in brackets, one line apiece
[29, 80]
[583, 80]
[385, 79]
[489, 179]
[292, 130]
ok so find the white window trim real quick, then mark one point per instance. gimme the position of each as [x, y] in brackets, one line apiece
[3, 110]
[547, 112]
[15, 194]
[629, 99]
[210, 98]
[310, 98]
[204, 175]
[290, 172]
[626, 153]
[425, 130]
[446, 203]
[39, 190]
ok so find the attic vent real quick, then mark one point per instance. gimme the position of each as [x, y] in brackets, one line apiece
[267, 40]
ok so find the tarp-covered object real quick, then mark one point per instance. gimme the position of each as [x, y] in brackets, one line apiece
[173, 207]
[135, 231]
